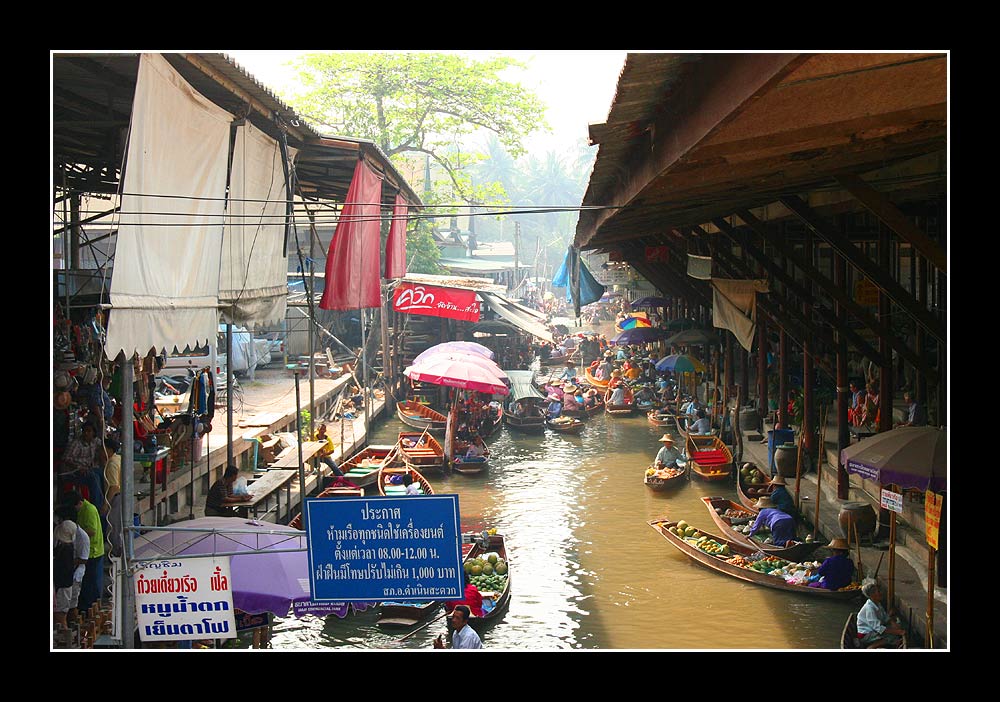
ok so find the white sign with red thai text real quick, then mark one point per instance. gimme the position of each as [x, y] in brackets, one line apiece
[892, 501]
[436, 302]
[184, 599]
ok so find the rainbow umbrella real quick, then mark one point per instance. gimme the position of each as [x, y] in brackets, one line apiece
[635, 323]
[680, 363]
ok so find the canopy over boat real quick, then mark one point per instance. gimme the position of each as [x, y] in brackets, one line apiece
[521, 385]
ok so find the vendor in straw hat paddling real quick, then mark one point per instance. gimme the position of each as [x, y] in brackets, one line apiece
[667, 455]
[779, 523]
[569, 397]
[837, 571]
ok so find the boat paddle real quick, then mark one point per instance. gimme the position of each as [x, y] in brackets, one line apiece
[423, 626]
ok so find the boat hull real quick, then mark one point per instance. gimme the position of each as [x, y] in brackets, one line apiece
[796, 552]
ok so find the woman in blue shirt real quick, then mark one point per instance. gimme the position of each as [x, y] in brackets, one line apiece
[837, 571]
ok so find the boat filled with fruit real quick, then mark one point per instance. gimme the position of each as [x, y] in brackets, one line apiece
[751, 484]
[735, 522]
[488, 567]
[746, 563]
[663, 478]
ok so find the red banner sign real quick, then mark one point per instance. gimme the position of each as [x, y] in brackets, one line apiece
[436, 302]
[932, 517]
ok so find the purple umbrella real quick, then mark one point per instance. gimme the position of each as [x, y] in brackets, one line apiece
[911, 457]
[262, 582]
[460, 346]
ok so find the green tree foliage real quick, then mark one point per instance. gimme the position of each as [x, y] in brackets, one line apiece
[420, 103]
[422, 253]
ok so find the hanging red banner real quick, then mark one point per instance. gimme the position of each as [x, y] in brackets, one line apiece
[436, 302]
[658, 254]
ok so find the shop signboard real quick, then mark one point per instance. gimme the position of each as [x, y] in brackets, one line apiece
[398, 548]
[866, 293]
[435, 301]
[184, 599]
[932, 517]
[892, 501]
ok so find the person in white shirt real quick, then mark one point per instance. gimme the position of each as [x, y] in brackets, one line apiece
[876, 626]
[618, 396]
[465, 636]
[667, 455]
[412, 488]
[703, 425]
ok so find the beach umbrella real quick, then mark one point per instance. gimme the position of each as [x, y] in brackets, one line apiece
[650, 302]
[262, 581]
[464, 373]
[678, 324]
[693, 337]
[461, 346]
[680, 363]
[459, 357]
[635, 322]
[639, 335]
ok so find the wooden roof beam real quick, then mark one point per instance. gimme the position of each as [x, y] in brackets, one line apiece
[883, 208]
[871, 269]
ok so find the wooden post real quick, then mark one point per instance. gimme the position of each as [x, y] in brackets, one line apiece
[892, 554]
[798, 469]
[762, 407]
[819, 486]
[857, 542]
[930, 598]
[786, 418]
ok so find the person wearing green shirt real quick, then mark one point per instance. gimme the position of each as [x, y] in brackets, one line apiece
[89, 520]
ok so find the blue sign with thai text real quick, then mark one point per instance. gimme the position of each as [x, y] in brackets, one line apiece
[400, 548]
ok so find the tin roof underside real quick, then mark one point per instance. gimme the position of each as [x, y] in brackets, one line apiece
[691, 137]
[92, 101]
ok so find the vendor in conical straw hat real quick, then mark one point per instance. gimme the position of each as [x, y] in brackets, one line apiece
[780, 496]
[616, 379]
[569, 397]
[837, 571]
[780, 524]
[667, 455]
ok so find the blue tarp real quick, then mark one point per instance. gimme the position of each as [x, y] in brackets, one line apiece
[590, 289]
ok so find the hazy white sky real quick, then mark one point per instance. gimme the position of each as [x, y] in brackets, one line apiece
[577, 86]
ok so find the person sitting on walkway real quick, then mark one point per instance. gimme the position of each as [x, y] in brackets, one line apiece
[837, 570]
[667, 456]
[857, 404]
[325, 454]
[780, 524]
[220, 495]
[877, 627]
[916, 416]
[871, 411]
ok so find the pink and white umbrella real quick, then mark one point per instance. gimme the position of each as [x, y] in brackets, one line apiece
[460, 346]
[458, 371]
[462, 357]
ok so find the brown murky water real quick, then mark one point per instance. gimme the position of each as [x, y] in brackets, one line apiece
[588, 571]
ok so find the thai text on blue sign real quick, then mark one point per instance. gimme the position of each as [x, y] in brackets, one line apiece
[892, 501]
[184, 599]
[404, 548]
[865, 471]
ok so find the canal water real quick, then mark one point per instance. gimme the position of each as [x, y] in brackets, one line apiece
[588, 572]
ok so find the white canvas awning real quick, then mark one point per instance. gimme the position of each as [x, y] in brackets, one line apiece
[165, 285]
[515, 314]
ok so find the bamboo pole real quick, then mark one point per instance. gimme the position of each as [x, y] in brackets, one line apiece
[798, 469]
[819, 486]
[892, 557]
[857, 542]
[930, 597]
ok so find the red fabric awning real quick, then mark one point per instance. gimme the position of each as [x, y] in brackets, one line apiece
[352, 267]
[395, 244]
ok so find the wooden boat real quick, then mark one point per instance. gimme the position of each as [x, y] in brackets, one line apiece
[388, 488]
[529, 423]
[849, 638]
[727, 564]
[708, 457]
[423, 452]
[594, 382]
[469, 466]
[362, 468]
[405, 614]
[624, 410]
[420, 416]
[565, 425]
[496, 544]
[330, 492]
[559, 360]
[661, 419]
[494, 426]
[744, 488]
[661, 482]
[728, 514]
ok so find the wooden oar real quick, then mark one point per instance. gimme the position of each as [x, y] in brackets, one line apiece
[423, 626]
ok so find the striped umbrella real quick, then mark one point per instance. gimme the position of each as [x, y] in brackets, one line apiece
[680, 363]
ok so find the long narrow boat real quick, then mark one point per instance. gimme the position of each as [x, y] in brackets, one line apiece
[388, 487]
[728, 563]
[624, 410]
[469, 466]
[330, 492]
[557, 360]
[362, 468]
[496, 544]
[420, 416]
[729, 515]
[421, 450]
[594, 382]
[664, 478]
[404, 614]
[659, 418]
[708, 457]
[565, 425]
[850, 640]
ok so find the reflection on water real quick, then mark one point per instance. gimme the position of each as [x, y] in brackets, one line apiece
[588, 572]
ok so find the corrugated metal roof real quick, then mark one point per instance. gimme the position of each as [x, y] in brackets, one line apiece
[454, 281]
